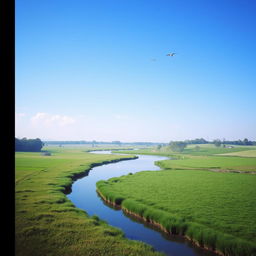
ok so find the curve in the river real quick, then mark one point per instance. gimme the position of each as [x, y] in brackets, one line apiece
[84, 196]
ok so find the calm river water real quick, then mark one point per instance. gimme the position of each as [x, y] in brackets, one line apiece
[84, 196]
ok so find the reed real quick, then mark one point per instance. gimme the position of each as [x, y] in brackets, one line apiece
[157, 196]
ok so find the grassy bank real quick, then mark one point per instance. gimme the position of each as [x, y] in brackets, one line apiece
[47, 223]
[215, 209]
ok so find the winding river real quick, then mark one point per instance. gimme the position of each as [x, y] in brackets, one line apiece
[84, 196]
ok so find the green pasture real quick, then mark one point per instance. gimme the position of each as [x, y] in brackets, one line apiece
[212, 150]
[216, 209]
[211, 162]
[46, 221]
[207, 157]
[201, 150]
[245, 153]
[213, 208]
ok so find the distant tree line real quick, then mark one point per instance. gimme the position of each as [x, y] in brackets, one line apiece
[218, 142]
[28, 145]
[244, 142]
[179, 146]
[94, 142]
[197, 141]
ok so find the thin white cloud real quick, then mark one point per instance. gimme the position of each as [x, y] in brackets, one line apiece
[48, 120]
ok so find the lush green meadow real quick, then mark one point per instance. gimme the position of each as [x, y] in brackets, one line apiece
[215, 209]
[219, 163]
[207, 157]
[245, 153]
[46, 221]
[200, 150]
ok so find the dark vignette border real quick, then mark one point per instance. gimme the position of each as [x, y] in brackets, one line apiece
[7, 87]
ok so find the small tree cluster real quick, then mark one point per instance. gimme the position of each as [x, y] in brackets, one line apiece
[28, 145]
[217, 143]
[177, 146]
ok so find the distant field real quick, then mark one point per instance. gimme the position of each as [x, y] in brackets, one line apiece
[201, 150]
[47, 222]
[211, 162]
[213, 208]
[207, 149]
[246, 153]
[207, 157]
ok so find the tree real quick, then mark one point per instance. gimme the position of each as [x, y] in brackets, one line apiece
[246, 141]
[94, 143]
[177, 146]
[217, 142]
[159, 147]
[28, 145]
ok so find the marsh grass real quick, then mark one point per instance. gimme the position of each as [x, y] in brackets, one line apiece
[215, 210]
[47, 222]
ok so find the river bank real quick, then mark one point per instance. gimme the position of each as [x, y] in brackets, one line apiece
[146, 195]
[47, 222]
[85, 197]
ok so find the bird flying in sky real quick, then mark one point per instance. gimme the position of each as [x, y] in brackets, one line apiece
[171, 54]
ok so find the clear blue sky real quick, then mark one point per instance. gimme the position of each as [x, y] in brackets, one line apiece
[98, 69]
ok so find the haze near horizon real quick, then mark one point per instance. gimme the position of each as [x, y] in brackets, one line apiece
[99, 70]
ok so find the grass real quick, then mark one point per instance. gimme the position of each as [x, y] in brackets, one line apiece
[207, 157]
[202, 149]
[210, 149]
[217, 210]
[246, 153]
[211, 162]
[47, 222]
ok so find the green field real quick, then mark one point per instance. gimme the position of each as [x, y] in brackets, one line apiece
[220, 163]
[208, 157]
[47, 223]
[215, 209]
[246, 153]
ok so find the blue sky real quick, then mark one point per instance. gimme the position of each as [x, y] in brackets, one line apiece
[98, 70]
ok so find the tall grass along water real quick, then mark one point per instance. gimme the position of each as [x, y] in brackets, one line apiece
[84, 196]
